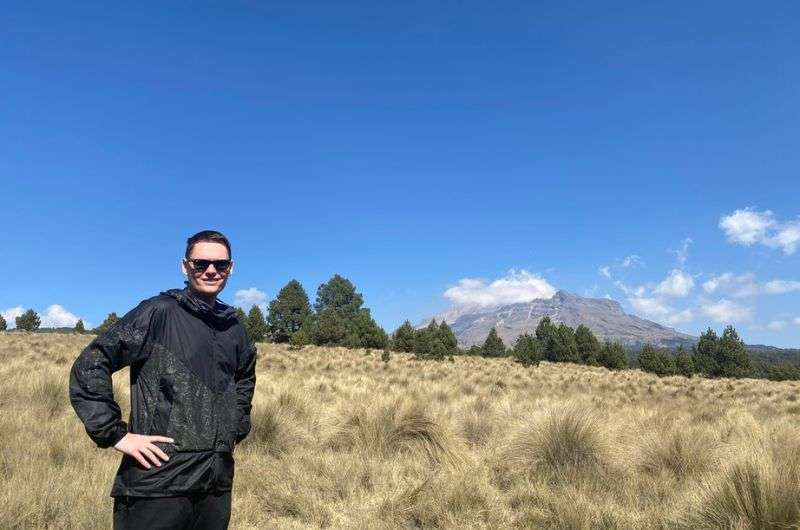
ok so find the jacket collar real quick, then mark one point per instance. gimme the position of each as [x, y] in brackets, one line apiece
[221, 312]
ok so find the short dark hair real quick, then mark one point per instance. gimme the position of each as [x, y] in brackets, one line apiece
[207, 235]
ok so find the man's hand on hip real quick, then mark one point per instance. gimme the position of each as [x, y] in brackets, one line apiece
[142, 448]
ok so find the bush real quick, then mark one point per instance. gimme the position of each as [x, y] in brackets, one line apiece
[298, 340]
[3, 324]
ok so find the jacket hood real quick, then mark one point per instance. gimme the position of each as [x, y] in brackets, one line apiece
[220, 313]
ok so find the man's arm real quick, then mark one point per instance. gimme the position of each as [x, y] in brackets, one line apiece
[90, 384]
[245, 386]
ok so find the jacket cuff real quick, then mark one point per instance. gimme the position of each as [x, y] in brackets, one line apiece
[117, 435]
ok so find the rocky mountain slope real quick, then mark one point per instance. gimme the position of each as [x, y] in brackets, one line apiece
[605, 318]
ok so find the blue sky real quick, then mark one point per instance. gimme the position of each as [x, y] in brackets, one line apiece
[487, 151]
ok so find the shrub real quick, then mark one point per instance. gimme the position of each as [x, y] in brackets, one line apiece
[298, 340]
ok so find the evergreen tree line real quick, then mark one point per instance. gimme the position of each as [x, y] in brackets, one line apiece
[714, 356]
[434, 341]
[550, 342]
[337, 318]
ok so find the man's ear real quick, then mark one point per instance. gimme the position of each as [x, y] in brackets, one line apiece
[231, 271]
[183, 267]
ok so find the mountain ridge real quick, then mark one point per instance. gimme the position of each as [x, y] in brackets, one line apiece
[605, 317]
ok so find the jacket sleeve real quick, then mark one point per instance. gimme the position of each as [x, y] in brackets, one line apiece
[90, 385]
[245, 386]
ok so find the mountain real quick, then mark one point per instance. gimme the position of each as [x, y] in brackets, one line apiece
[604, 317]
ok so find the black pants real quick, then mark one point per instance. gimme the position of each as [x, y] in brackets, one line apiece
[207, 511]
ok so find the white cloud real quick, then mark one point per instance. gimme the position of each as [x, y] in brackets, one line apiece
[631, 261]
[10, 315]
[748, 226]
[516, 287]
[682, 254]
[776, 325]
[786, 238]
[677, 284]
[680, 317]
[650, 306]
[630, 291]
[727, 311]
[797, 321]
[714, 283]
[246, 298]
[605, 271]
[737, 286]
[781, 286]
[56, 316]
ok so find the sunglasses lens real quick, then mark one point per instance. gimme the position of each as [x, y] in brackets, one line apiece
[222, 265]
[200, 264]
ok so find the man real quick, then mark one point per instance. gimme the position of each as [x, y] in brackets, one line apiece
[192, 376]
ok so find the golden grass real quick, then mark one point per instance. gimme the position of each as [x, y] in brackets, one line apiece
[342, 440]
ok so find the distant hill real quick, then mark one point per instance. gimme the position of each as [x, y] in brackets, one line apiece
[604, 317]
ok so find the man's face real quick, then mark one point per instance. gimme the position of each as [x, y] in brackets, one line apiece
[209, 281]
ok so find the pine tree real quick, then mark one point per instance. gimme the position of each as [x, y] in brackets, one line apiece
[528, 350]
[561, 346]
[704, 355]
[338, 294]
[732, 357]
[403, 338]
[683, 362]
[288, 311]
[588, 345]
[364, 332]
[424, 339]
[110, 320]
[28, 321]
[242, 317]
[493, 346]
[612, 356]
[3, 323]
[328, 327]
[448, 339]
[79, 327]
[656, 361]
[256, 326]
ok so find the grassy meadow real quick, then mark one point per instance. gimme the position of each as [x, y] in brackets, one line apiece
[341, 439]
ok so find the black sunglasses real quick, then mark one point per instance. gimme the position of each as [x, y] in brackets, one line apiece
[200, 265]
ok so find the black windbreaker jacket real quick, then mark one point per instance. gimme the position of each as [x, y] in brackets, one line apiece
[192, 377]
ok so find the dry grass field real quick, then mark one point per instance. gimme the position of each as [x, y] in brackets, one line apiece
[341, 440]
